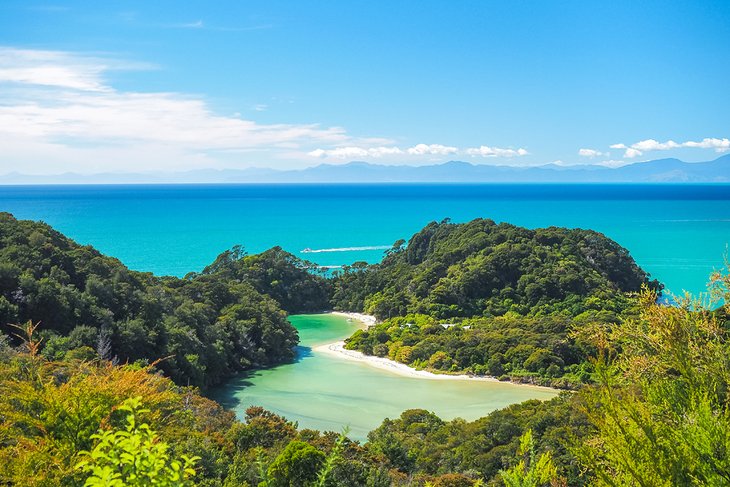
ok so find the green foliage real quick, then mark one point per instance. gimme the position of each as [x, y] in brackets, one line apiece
[297, 285]
[262, 429]
[207, 326]
[531, 471]
[420, 444]
[454, 480]
[660, 408]
[488, 299]
[483, 269]
[134, 456]
[50, 410]
[540, 350]
[331, 460]
[296, 466]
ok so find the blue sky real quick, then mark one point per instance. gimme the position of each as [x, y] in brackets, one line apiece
[168, 86]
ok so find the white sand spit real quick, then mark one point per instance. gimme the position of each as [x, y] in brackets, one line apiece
[367, 320]
[338, 349]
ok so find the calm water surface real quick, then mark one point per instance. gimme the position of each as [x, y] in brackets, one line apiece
[322, 392]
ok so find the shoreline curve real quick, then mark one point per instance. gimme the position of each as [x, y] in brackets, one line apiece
[338, 350]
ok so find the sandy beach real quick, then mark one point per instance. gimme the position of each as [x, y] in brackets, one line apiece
[366, 320]
[338, 349]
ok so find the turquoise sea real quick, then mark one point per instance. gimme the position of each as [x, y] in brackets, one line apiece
[679, 233]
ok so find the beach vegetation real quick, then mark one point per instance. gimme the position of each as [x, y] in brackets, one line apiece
[494, 299]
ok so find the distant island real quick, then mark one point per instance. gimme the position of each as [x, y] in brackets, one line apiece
[656, 171]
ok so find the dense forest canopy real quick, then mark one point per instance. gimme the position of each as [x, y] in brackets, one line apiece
[501, 300]
[206, 327]
[481, 268]
[297, 285]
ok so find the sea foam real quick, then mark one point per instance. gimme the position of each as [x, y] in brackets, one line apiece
[345, 249]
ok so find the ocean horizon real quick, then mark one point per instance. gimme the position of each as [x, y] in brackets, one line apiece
[677, 232]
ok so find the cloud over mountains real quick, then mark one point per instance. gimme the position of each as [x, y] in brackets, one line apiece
[62, 111]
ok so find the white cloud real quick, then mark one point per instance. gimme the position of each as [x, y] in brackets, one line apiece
[720, 145]
[649, 145]
[591, 153]
[51, 68]
[151, 117]
[431, 149]
[486, 151]
[198, 24]
[346, 152]
[57, 112]
[350, 152]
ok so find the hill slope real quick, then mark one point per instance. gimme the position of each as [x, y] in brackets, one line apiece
[517, 301]
[206, 326]
[480, 268]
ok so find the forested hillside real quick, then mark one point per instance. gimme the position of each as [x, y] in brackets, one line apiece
[516, 296]
[489, 299]
[298, 286]
[206, 327]
[482, 268]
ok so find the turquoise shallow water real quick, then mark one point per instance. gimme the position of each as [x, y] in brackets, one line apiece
[679, 233]
[321, 391]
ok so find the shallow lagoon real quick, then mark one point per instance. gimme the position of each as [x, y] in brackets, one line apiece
[321, 391]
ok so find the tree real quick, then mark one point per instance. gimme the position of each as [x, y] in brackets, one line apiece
[297, 465]
[531, 471]
[660, 408]
[134, 456]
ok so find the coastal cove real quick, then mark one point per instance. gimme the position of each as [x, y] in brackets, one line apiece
[372, 244]
[328, 390]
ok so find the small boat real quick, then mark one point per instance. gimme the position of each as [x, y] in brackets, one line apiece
[306, 251]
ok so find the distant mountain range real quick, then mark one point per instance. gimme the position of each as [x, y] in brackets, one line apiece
[658, 171]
